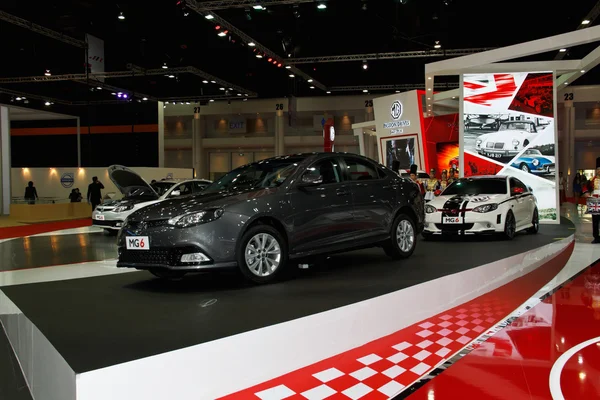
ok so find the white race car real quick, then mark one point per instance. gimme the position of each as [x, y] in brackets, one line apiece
[137, 193]
[480, 205]
[508, 141]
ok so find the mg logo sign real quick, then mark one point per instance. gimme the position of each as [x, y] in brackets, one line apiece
[396, 110]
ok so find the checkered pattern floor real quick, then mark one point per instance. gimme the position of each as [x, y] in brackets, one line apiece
[383, 368]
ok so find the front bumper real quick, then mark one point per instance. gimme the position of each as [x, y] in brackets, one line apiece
[110, 220]
[544, 169]
[471, 223]
[494, 153]
[167, 244]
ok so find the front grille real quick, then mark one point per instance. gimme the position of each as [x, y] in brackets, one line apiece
[146, 224]
[158, 256]
[454, 227]
[101, 208]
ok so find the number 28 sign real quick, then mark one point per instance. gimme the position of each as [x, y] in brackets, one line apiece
[137, 243]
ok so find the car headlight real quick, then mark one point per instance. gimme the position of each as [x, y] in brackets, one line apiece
[535, 162]
[201, 217]
[122, 208]
[479, 141]
[515, 142]
[486, 208]
[430, 209]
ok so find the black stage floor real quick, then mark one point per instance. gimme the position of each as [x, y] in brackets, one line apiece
[12, 382]
[102, 321]
[43, 251]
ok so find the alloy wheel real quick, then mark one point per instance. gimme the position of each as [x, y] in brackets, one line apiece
[262, 254]
[405, 236]
[524, 168]
[510, 226]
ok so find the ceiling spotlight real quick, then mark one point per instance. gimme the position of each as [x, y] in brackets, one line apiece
[365, 91]
[259, 56]
[292, 75]
[288, 67]
[245, 100]
[187, 102]
[47, 103]
[211, 100]
[328, 92]
[222, 88]
[185, 13]
[397, 91]
[429, 77]
[221, 34]
[563, 50]
[365, 65]
[454, 97]
[566, 83]
[437, 45]
[583, 71]
[124, 95]
[99, 87]
[47, 73]
[204, 81]
[585, 22]
[171, 76]
[239, 94]
[274, 62]
[213, 82]
[209, 16]
[322, 6]
[251, 44]
[312, 87]
[429, 89]
[310, 80]
[429, 98]
[270, 59]
[164, 66]
[279, 65]
[258, 7]
[113, 93]
[121, 16]
[145, 99]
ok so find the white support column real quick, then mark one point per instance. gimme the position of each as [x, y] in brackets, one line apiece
[279, 133]
[198, 133]
[369, 114]
[570, 141]
[358, 132]
[161, 135]
[5, 162]
[79, 142]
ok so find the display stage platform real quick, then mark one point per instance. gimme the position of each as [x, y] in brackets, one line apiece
[130, 335]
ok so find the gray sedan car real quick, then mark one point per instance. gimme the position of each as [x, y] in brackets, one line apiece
[260, 217]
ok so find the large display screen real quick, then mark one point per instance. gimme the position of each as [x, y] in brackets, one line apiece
[402, 149]
[509, 130]
[447, 156]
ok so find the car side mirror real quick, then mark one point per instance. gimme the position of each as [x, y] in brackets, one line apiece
[175, 193]
[311, 180]
[530, 189]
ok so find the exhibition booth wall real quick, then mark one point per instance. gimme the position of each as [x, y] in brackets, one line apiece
[56, 183]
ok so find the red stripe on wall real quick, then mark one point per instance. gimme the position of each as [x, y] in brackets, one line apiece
[71, 130]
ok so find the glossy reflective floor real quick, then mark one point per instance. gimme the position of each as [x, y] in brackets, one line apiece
[551, 351]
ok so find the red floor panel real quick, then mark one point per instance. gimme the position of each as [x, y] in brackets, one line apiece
[382, 368]
[34, 229]
[516, 362]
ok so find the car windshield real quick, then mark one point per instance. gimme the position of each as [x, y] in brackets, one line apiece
[517, 126]
[476, 186]
[161, 187]
[259, 175]
[533, 152]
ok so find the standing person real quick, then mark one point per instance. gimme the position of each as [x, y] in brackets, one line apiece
[75, 196]
[593, 190]
[94, 193]
[31, 193]
[431, 185]
[413, 177]
[561, 188]
[577, 189]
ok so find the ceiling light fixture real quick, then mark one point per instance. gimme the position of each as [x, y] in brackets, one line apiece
[397, 91]
[211, 100]
[47, 103]
[144, 98]
[288, 67]
[165, 66]
[312, 87]
[221, 34]
[209, 16]
[563, 50]
[429, 77]
[292, 75]
[437, 45]
[251, 44]
[204, 81]
[328, 92]
[47, 73]
[121, 16]
[270, 59]
[258, 7]
[585, 22]
[222, 88]
[113, 93]
[322, 6]
[583, 71]
[309, 81]
[259, 56]
[18, 99]
[239, 94]
[213, 82]
[365, 91]
[365, 65]
[279, 65]
[429, 89]
[171, 76]
[99, 87]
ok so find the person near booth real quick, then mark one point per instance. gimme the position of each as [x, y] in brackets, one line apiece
[444, 181]
[592, 189]
[432, 185]
[413, 177]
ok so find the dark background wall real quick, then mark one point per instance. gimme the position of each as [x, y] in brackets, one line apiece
[124, 134]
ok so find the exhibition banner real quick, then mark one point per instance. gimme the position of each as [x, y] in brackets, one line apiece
[509, 130]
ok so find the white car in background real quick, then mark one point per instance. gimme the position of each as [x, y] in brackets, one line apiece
[482, 205]
[508, 141]
[137, 193]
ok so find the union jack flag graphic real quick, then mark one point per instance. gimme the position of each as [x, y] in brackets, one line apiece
[484, 89]
[593, 206]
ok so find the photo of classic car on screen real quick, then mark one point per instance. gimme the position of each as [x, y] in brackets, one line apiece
[538, 160]
[401, 150]
[505, 138]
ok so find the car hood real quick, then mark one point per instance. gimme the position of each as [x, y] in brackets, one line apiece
[455, 200]
[194, 203]
[128, 201]
[505, 135]
[128, 181]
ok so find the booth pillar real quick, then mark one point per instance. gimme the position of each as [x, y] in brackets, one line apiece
[569, 170]
[198, 160]
[5, 162]
[279, 133]
[161, 135]
[369, 114]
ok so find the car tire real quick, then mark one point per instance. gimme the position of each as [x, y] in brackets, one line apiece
[167, 274]
[262, 254]
[510, 226]
[525, 168]
[536, 223]
[403, 240]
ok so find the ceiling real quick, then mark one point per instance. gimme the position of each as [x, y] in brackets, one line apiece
[167, 32]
